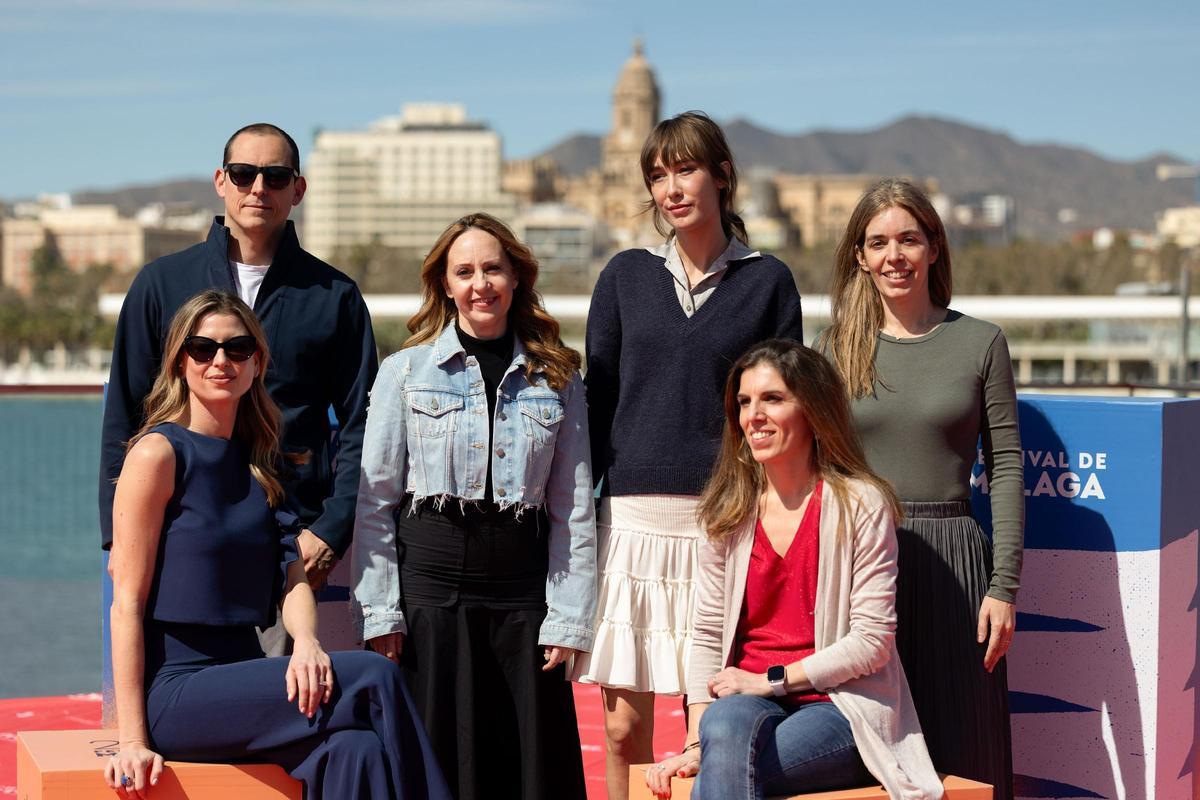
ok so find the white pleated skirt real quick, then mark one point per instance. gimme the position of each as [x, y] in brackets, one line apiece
[647, 560]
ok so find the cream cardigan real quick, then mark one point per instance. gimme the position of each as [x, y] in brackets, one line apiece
[855, 627]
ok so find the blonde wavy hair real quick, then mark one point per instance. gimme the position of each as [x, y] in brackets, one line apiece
[531, 323]
[731, 497]
[857, 311]
[258, 422]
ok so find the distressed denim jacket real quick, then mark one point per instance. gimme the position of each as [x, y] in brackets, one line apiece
[427, 435]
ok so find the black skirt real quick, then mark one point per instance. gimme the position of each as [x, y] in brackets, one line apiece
[474, 589]
[944, 566]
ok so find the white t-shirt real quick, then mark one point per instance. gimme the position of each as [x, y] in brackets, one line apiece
[248, 278]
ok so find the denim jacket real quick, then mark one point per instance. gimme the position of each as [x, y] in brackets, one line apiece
[427, 436]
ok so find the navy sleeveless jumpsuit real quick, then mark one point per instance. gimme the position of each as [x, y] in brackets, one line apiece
[211, 695]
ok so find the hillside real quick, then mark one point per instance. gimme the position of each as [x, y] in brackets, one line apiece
[964, 159]
[1043, 178]
[128, 199]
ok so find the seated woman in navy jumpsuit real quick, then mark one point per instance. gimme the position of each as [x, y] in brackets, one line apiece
[200, 557]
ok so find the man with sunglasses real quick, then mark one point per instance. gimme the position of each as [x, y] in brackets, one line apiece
[319, 331]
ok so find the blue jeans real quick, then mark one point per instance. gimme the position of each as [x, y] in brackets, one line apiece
[751, 747]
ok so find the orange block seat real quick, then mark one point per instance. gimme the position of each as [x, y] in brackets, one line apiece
[681, 789]
[69, 765]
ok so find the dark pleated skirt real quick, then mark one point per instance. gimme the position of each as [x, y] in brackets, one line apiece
[474, 587]
[944, 566]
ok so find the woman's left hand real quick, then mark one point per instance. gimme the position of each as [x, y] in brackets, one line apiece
[732, 680]
[309, 676]
[555, 656]
[684, 765]
[997, 623]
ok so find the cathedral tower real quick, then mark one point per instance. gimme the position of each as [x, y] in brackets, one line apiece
[635, 111]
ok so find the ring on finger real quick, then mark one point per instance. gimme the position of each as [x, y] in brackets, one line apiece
[126, 780]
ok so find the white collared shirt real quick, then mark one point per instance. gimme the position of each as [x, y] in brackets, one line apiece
[692, 297]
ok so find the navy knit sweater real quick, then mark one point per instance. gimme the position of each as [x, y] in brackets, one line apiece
[655, 377]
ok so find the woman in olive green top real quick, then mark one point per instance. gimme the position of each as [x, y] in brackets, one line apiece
[927, 385]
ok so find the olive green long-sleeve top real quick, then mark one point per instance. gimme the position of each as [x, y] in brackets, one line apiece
[936, 397]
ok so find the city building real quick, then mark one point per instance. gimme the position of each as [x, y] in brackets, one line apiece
[978, 218]
[819, 205]
[533, 180]
[615, 193]
[402, 181]
[83, 236]
[569, 245]
[768, 227]
[1180, 225]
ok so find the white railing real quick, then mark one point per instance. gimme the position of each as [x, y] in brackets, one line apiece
[1007, 308]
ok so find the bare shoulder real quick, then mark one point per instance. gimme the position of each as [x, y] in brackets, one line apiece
[152, 458]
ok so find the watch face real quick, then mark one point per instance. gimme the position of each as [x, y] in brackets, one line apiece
[776, 674]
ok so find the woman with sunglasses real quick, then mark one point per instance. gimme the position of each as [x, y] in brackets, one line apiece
[201, 556]
[794, 685]
[664, 325]
[475, 539]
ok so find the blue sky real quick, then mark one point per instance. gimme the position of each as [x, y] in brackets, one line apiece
[102, 94]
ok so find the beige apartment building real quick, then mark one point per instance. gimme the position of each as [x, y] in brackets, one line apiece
[820, 205]
[401, 181]
[83, 236]
[1180, 225]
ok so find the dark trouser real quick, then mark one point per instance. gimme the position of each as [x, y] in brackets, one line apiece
[364, 743]
[474, 588]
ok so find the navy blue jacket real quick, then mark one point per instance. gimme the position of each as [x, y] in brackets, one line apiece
[322, 355]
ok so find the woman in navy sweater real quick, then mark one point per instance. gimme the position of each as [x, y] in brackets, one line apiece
[665, 325]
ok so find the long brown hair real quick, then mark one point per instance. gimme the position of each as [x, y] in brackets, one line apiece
[258, 420]
[857, 311]
[732, 494]
[538, 331]
[693, 136]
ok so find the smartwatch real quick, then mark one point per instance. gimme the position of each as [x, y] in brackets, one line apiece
[777, 677]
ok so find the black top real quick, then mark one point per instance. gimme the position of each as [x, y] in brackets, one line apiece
[494, 357]
[455, 552]
[221, 546]
[322, 356]
[655, 376]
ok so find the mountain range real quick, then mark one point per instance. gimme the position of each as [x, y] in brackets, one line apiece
[963, 159]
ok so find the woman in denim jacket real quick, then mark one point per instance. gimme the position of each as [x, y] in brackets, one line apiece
[475, 539]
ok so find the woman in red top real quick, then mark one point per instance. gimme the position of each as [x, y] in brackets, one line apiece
[794, 685]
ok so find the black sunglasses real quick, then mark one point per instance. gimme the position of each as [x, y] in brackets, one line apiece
[203, 349]
[277, 177]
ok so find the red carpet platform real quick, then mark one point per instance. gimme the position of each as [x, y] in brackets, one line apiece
[81, 711]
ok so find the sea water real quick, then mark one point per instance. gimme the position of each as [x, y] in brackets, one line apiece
[50, 557]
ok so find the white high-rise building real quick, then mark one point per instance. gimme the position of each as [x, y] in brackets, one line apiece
[401, 181]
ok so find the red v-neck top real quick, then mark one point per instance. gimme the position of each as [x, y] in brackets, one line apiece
[776, 623]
